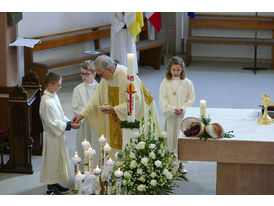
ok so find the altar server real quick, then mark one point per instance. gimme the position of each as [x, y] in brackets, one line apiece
[122, 42]
[55, 164]
[81, 95]
[175, 95]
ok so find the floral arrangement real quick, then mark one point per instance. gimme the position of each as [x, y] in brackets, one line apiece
[149, 168]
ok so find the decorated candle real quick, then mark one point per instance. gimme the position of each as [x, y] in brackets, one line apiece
[110, 163]
[130, 88]
[107, 149]
[76, 159]
[97, 172]
[203, 108]
[89, 153]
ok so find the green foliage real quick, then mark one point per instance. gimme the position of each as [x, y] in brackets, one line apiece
[131, 125]
[206, 121]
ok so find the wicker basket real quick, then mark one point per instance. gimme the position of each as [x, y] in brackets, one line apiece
[189, 122]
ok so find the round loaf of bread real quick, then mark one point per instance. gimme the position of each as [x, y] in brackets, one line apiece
[215, 130]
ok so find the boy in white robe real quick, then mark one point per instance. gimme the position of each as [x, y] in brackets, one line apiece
[81, 95]
[56, 164]
[175, 95]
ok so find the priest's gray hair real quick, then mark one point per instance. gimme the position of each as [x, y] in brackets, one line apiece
[105, 62]
[88, 65]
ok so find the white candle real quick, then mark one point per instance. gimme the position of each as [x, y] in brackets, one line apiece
[97, 171]
[110, 163]
[118, 173]
[102, 140]
[130, 64]
[85, 144]
[203, 108]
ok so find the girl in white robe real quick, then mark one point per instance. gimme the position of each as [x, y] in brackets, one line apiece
[56, 163]
[81, 95]
[175, 95]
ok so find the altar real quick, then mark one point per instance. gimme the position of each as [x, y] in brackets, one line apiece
[245, 163]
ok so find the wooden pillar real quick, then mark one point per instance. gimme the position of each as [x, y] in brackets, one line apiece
[10, 74]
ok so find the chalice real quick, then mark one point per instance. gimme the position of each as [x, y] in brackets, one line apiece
[265, 119]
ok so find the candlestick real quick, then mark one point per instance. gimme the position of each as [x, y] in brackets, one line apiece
[203, 108]
[110, 164]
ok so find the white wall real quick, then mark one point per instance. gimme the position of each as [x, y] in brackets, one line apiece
[43, 23]
[228, 51]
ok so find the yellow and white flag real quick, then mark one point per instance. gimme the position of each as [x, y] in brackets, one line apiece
[134, 22]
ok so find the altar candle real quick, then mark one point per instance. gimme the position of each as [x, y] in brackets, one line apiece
[203, 108]
[130, 64]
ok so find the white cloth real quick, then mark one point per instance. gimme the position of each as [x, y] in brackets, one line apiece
[56, 164]
[101, 122]
[122, 42]
[184, 98]
[80, 97]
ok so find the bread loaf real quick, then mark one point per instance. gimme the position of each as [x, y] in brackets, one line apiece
[215, 130]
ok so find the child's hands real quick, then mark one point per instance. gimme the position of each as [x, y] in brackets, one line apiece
[75, 126]
[178, 111]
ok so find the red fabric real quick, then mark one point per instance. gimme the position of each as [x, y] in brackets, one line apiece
[155, 20]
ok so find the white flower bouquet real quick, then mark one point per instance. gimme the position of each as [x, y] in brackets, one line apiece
[149, 168]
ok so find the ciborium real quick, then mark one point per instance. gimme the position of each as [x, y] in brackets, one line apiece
[265, 119]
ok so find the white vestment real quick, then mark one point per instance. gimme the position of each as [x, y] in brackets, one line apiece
[113, 92]
[122, 42]
[184, 98]
[56, 164]
[81, 95]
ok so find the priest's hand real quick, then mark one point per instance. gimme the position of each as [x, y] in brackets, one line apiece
[77, 119]
[75, 126]
[109, 110]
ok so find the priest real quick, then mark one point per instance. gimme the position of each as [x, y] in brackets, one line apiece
[112, 92]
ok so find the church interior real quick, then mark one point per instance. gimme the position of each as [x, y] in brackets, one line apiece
[231, 66]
